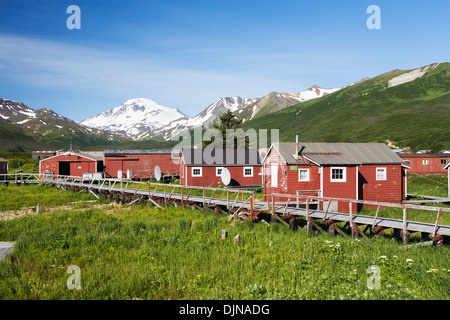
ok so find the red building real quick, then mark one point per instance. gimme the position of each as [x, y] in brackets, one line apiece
[200, 167]
[140, 163]
[3, 168]
[72, 164]
[363, 171]
[426, 163]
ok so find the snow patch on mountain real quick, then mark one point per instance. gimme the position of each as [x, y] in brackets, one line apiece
[411, 76]
[312, 93]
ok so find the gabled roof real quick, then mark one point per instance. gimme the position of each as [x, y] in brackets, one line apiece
[220, 157]
[93, 155]
[324, 153]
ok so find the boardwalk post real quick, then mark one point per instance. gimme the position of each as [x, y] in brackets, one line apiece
[308, 219]
[252, 203]
[405, 234]
[352, 229]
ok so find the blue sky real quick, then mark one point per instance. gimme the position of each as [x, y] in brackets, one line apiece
[187, 54]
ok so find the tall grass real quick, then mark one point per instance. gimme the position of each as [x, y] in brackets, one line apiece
[175, 253]
[15, 197]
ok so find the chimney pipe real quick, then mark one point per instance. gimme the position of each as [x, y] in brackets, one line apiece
[296, 145]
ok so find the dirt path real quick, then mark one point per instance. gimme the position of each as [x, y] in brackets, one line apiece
[13, 214]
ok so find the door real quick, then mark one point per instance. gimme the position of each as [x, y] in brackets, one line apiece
[64, 168]
[274, 176]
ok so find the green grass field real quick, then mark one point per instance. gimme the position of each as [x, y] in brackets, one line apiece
[128, 252]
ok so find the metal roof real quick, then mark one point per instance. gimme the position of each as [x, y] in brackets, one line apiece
[121, 152]
[3, 160]
[324, 153]
[95, 155]
[229, 157]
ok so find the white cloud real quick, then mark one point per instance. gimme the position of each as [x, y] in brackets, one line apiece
[57, 65]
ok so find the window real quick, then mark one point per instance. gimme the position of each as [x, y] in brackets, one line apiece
[407, 162]
[248, 171]
[338, 174]
[219, 171]
[425, 162]
[196, 172]
[303, 174]
[443, 161]
[381, 173]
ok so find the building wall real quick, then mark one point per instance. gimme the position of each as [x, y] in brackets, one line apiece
[141, 165]
[390, 190]
[288, 177]
[209, 177]
[78, 165]
[346, 190]
[434, 165]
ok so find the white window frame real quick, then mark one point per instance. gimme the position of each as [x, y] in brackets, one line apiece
[344, 174]
[384, 177]
[248, 175]
[425, 162]
[197, 175]
[307, 174]
[217, 171]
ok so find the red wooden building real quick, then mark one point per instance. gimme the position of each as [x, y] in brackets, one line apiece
[363, 171]
[135, 164]
[200, 167]
[3, 168]
[72, 164]
[426, 163]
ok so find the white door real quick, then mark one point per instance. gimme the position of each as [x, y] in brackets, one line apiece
[274, 176]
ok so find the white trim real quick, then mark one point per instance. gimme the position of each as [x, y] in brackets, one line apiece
[385, 173]
[196, 175]
[357, 183]
[273, 168]
[267, 154]
[307, 173]
[316, 163]
[248, 175]
[344, 174]
[69, 154]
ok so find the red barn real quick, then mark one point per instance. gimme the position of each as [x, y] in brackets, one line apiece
[202, 167]
[363, 171]
[72, 164]
[3, 168]
[140, 163]
[426, 163]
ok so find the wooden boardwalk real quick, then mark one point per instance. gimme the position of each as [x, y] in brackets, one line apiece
[242, 203]
[5, 247]
[134, 192]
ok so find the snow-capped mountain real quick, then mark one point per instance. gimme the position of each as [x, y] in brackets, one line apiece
[312, 93]
[207, 117]
[143, 118]
[276, 101]
[135, 118]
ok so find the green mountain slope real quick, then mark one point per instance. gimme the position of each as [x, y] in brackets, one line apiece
[26, 129]
[415, 114]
